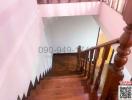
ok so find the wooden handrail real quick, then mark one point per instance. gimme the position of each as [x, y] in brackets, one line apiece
[115, 71]
[115, 41]
[91, 56]
[87, 62]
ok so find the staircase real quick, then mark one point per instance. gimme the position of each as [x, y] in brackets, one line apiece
[65, 83]
[60, 88]
[78, 76]
[62, 82]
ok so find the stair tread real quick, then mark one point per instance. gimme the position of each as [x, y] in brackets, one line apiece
[65, 80]
[60, 91]
[61, 82]
[58, 95]
[67, 97]
[59, 88]
[62, 77]
[57, 85]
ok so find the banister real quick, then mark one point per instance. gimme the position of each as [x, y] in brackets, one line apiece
[115, 41]
[91, 56]
[115, 71]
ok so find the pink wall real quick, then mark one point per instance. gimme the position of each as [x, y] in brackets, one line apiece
[21, 33]
[69, 9]
[112, 24]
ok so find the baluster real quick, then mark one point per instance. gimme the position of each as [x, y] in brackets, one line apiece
[80, 62]
[87, 54]
[90, 63]
[58, 1]
[112, 55]
[97, 82]
[131, 81]
[18, 98]
[78, 58]
[83, 61]
[95, 63]
[46, 1]
[81, 68]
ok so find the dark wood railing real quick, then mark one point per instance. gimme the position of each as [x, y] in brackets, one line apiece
[62, 1]
[117, 5]
[87, 62]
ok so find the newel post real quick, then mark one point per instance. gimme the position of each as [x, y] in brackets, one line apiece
[78, 58]
[115, 74]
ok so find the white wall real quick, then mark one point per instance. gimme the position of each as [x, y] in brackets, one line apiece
[71, 32]
[21, 33]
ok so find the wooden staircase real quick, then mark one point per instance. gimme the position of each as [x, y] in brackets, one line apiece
[82, 81]
[62, 82]
[70, 87]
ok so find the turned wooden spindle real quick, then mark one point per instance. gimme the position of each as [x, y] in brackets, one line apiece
[80, 69]
[83, 62]
[112, 55]
[97, 51]
[18, 98]
[94, 91]
[104, 57]
[78, 58]
[115, 73]
[81, 66]
[86, 63]
[90, 63]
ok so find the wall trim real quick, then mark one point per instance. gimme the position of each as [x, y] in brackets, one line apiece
[98, 36]
[32, 87]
